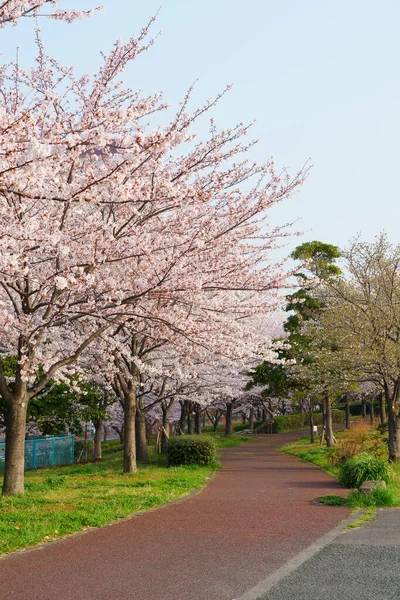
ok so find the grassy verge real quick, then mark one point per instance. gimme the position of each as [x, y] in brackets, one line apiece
[63, 500]
[312, 453]
[319, 456]
[222, 441]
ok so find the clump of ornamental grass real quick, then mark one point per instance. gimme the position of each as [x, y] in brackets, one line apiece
[364, 467]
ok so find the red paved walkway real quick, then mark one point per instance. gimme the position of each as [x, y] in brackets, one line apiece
[255, 515]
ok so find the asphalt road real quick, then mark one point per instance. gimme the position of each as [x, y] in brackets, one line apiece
[362, 564]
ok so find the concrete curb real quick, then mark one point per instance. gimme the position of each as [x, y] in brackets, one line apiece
[266, 584]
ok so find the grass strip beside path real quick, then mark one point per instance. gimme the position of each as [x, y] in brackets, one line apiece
[63, 500]
[319, 455]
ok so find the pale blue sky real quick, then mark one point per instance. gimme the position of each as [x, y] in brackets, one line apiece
[321, 78]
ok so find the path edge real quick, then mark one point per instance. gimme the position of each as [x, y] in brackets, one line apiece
[45, 544]
[263, 586]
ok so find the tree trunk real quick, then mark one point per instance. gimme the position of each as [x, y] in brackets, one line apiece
[264, 415]
[394, 435]
[323, 417]
[371, 411]
[166, 432]
[15, 444]
[189, 417]
[183, 417]
[393, 423]
[104, 433]
[311, 418]
[141, 437]
[251, 418]
[382, 410]
[228, 421]
[347, 407]
[98, 424]
[130, 465]
[363, 408]
[197, 419]
[328, 425]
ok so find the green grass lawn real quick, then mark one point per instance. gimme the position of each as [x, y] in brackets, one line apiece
[319, 455]
[63, 500]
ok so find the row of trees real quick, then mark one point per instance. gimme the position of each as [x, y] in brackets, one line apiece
[133, 255]
[343, 333]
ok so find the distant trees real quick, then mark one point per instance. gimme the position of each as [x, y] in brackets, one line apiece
[363, 320]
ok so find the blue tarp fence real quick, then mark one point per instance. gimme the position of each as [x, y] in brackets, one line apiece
[45, 452]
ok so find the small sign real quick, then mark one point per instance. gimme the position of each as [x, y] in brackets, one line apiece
[315, 428]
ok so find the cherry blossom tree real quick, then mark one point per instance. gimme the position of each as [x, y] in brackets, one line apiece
[105, 222]
[13, 10]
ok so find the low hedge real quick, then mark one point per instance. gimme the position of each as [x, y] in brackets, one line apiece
[191, 450]
[300, 421]
[356, 409]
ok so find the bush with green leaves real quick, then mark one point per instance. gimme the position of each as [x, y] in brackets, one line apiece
[191, 450]
[363, 467]
[301, 420]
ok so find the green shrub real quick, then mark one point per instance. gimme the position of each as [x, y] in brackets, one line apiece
[363, 467]
[379, 496]
[300, 421]
[191, 450]
[240, 426]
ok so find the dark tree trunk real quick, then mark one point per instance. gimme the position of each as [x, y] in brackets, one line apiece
[363, 408]
[183, 417]
[15, 444]
[189, 417]
[98, 424]
[347, 407]
[328, 425]
[228, 421]
[166, 432]
[104, 434]
[197, 419]
[382, 410]
[251, 418]
[371, 411]
[393, 422]
[130, 465]
[394, 435]
[311, 419]
[141, 437]
[264, 415]
[323, 417]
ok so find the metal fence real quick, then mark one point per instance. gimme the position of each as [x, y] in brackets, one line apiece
[45, 452]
